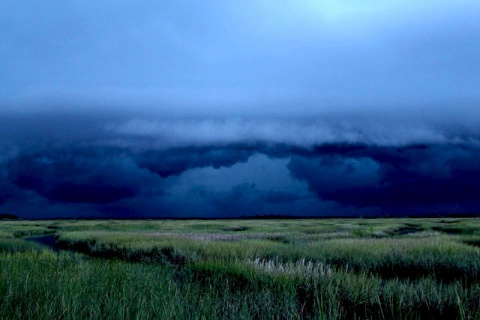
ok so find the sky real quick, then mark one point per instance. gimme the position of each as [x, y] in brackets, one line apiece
[149, 109]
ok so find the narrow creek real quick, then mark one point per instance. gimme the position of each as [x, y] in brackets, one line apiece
[48, 241]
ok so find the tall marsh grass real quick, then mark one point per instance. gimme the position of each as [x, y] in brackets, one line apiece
[259, 269]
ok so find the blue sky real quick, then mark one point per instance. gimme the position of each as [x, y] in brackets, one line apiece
[351, 103]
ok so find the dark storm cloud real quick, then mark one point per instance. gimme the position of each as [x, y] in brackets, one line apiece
[6, 192]
[247, 199]
[238, 199]
[108, 179]
[172, 162]
[415, 178]
[107, 170]
[280, 197]
[89, 192]
[76, 176]
[428, 178]
[122, 108]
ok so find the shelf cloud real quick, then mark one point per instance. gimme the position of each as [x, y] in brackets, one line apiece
[220, 109]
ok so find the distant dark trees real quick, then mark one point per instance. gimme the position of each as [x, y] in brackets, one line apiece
[8, 216]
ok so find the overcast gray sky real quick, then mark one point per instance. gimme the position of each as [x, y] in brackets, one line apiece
[173, 92]
[238, 58]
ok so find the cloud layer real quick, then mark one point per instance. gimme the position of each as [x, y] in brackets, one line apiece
[133, 168]
[220, 109]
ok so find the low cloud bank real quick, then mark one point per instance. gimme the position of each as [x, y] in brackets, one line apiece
[130, 167]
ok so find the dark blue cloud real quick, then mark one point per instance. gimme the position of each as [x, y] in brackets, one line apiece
[280, 197]
[173, 162]
[77, 175]
[131, 109]
[90, 192]
[412, 179]
[428, 179]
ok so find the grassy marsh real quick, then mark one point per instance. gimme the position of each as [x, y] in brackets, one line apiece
[277, 269]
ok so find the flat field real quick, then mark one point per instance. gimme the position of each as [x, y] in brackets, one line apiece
[240, 269]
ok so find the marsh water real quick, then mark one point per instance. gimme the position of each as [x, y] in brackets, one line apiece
[48, 241]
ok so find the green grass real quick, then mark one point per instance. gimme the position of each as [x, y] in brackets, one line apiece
[272, 269]
[42, 285]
